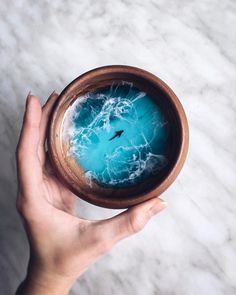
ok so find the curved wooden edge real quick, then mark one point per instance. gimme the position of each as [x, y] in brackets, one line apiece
[121, 203]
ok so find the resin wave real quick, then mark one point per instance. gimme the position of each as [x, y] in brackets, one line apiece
[117, 135]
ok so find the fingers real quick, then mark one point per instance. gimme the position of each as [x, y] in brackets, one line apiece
[131, 221]
[47, 108]
[29, 137]
[27, 149]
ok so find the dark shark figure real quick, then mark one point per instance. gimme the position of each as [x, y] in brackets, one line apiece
[117, 134]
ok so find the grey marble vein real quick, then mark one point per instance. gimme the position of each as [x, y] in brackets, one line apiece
[189, 249]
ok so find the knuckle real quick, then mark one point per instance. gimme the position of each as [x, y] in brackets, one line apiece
[136, 223]
[83, 226]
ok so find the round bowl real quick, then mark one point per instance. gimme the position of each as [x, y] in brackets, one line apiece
[72, 175]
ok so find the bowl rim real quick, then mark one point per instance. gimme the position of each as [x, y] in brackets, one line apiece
[120, 203]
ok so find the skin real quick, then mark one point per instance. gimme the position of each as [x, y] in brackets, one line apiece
[62, 245]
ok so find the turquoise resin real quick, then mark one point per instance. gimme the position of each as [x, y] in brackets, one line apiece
[118, 135]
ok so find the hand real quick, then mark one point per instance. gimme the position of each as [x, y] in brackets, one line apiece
[62, 245]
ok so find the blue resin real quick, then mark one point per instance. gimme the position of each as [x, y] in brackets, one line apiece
[118, 135]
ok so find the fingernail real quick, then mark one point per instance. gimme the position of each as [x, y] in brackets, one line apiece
[28, 97]
[159, 206]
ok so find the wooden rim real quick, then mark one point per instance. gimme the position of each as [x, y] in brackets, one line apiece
[63, 171]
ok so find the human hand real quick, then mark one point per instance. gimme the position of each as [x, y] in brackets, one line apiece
[62, 245]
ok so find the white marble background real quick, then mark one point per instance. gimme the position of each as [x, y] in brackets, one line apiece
[189, 249]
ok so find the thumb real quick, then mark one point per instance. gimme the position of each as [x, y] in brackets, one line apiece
[132, 220]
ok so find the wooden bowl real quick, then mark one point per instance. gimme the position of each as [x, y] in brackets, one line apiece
[72, 175]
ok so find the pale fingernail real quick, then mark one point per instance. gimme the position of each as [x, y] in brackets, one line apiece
[28, 98]
[159, 206]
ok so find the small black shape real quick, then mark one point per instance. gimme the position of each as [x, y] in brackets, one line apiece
[117, 134]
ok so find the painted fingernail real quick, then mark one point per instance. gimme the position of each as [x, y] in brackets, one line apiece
[159, 206]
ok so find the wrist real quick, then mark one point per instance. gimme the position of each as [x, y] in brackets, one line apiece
[44, 282]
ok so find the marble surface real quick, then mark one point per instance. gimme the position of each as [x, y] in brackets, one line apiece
[191, 247]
